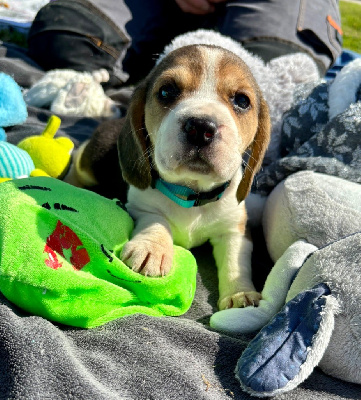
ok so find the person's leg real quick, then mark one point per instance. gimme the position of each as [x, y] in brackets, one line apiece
[77, 35]
[122, 36]
[271, 28]
[153, 25]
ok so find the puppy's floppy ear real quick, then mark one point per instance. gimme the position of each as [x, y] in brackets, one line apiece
[132, 143]
[257, 151]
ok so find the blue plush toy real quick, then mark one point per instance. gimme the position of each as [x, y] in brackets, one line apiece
[14, 162]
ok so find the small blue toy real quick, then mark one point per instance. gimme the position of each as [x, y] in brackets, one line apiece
[14, 162]
[12, 105]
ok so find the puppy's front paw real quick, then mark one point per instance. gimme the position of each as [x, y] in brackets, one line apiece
[147, 257]
[239, 300]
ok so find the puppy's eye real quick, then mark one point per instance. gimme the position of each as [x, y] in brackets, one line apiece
[168, 93]
[241, 101]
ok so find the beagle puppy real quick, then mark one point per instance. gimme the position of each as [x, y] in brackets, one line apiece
[191, 125]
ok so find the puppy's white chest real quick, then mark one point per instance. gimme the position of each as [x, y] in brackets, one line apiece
[191, 227]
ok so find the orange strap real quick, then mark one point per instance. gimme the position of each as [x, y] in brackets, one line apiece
[334, 24]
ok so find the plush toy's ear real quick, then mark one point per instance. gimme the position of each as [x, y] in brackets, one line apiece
[257, 151]
[345, 89]
[132, 143]
[274, 294]
[285, 352]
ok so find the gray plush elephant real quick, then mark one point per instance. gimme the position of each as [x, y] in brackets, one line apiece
[310, 312]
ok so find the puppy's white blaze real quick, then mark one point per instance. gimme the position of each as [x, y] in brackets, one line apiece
[209, 80]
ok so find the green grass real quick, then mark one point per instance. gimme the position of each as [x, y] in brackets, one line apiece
[350, 16]
[12, 36]
[351, 25]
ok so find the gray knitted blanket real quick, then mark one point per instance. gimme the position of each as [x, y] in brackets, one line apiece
[137, 357]
[311, 140]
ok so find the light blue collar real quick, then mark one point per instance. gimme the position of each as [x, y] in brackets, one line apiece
[187, 197]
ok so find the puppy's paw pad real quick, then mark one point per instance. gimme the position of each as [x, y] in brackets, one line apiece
[147, 258]
[240, 300]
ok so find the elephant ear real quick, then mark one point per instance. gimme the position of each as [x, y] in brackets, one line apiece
[285, 352]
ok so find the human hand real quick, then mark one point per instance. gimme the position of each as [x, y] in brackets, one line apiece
[199, 7]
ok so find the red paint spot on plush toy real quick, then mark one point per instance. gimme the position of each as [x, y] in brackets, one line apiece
[52, 261]
[64, 238]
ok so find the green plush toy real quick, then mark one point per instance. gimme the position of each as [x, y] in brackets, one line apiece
[59, 257]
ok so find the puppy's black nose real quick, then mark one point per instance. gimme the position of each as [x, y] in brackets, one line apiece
[199, 131]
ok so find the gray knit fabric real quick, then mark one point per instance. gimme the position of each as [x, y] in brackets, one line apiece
[312, 141]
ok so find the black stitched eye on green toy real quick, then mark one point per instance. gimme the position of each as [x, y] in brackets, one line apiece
[241, 101]
[168, 93]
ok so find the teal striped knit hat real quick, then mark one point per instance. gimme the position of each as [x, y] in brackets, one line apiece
[14, 162]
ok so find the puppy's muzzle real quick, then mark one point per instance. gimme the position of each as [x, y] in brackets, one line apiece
[199, 132]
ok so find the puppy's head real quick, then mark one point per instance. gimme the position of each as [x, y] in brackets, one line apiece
[193, 119]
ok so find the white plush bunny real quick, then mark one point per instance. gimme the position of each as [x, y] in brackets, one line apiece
[68, 92]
